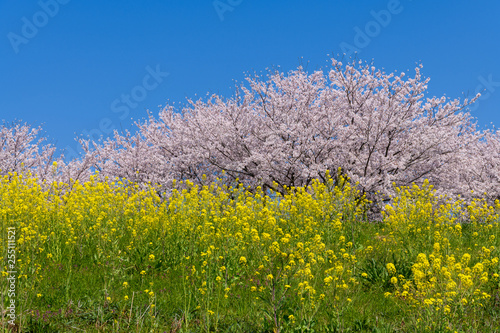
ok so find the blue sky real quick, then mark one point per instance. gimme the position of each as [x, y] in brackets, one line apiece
[78, 67]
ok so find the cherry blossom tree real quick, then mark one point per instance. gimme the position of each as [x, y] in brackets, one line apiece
[22, 149]
[284, 130]
[478, 174]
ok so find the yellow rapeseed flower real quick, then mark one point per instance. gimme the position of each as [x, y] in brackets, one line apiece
[391, 268]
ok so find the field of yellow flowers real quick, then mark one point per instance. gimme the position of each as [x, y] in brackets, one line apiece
[110, 256]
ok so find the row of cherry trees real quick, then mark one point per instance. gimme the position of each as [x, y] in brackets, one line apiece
[286, 130]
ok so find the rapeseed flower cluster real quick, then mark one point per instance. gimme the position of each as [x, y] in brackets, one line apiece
[450, 249]
[289, 258]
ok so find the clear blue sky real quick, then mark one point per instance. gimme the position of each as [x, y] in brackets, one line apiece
[69, 65]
